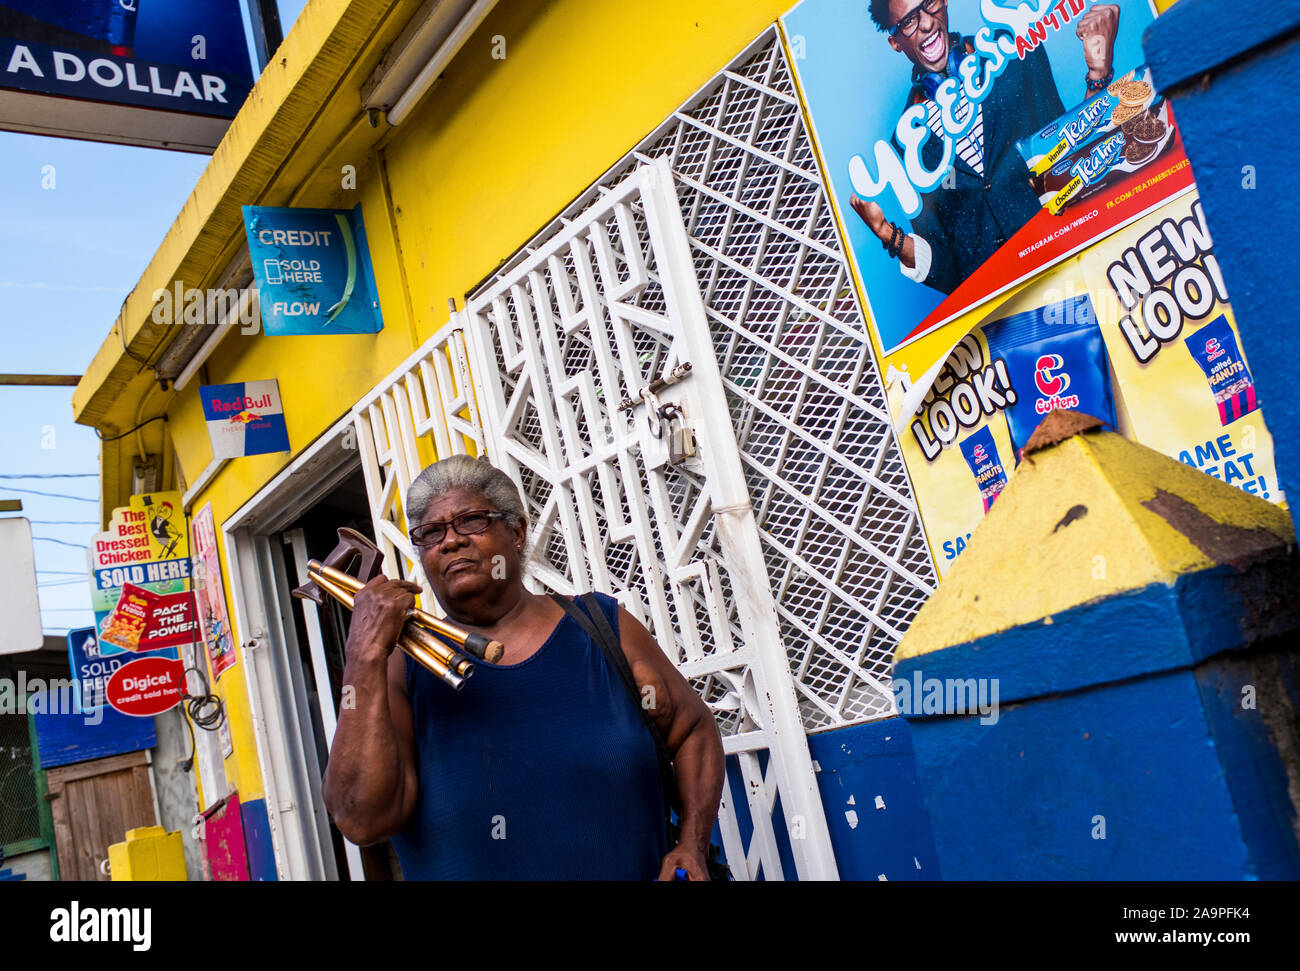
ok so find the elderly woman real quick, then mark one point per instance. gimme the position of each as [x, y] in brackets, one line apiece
[541, 767]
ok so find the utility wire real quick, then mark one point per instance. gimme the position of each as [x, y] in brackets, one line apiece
[51, 495]
[61, 542]
[52, 475]
[114, 438]
[64, 522]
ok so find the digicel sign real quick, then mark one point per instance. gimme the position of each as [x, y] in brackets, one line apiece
[146, 687]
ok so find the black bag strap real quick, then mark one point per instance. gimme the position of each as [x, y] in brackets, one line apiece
[596, 624]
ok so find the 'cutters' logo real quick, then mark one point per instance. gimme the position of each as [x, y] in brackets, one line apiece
[1048, 383]
[1213, 348]
[980, 454]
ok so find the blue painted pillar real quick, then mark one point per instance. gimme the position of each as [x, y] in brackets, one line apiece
[1230, 69]
[1105, 685]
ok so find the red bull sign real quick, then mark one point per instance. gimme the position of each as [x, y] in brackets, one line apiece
[244, 418]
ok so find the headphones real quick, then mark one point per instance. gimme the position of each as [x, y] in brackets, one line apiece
[931, 80]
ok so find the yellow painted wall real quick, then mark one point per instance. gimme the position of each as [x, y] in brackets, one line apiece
[496, 150]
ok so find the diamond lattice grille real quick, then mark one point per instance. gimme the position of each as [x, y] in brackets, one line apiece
[841, 536]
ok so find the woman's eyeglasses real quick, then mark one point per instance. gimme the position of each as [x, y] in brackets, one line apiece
[912, 19]
[466, 524]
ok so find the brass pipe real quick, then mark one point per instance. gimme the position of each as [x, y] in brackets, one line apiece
[449, 657]
[478, 645]
[458, 661]
[448, 665]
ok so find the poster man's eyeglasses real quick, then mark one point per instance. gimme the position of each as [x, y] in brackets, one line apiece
[912, 20]
[466, 524]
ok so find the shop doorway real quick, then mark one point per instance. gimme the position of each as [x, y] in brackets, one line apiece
[315, 638]
[293, 651]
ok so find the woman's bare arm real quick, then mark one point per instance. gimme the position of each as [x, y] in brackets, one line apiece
[690, 734]
[370, 783]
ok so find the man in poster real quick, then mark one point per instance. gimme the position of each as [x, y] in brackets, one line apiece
[986, 197]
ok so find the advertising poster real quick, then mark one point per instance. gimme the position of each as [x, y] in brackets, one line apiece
[210, 596]
[1175, 353]
[147, 686]
[964, 148]
[244, 418]
[92, 670]
[127, 52]
[313, 273]
[145, 546]
[1137, 331]
[145, 621]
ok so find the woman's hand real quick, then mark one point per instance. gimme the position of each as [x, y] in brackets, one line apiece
[378, 613]
[689, 859]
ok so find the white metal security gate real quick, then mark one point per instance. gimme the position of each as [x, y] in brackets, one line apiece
[840, 531]
[571, 346]
[424, 410]
[578, 354]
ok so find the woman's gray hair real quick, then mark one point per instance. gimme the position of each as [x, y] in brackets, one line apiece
[464, 472]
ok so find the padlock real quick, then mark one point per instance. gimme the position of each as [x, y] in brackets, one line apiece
[681, 441]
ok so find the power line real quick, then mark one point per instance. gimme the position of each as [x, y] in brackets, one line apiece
[52, 495]
[114, 438]
[52, 475]
[66, 573]
[51, 539]
[64, 522]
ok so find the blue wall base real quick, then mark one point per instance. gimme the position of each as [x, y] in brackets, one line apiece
[866, 775]
[873, 802]
[1163, 777]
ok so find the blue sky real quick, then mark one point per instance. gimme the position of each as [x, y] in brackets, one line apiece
[69, 255]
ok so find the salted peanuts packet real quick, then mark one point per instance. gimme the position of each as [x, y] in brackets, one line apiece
[981, 454]
[1124, 99]
[126, 624]
[1214, 348]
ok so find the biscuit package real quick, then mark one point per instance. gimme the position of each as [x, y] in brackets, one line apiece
[1114, 133]
[1057, 361]
[1124, 99]
[1214, 348]
[1089, 169]
[981, 455]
